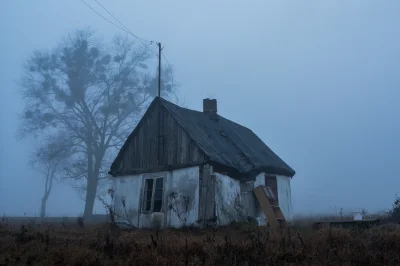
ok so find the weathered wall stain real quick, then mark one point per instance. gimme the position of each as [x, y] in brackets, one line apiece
[183, 182]
[234, 200]
[128, 188]
[228, 200]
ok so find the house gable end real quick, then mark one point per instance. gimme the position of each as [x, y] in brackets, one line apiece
[158, 143]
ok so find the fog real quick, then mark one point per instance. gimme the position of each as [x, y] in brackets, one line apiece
[318, 81]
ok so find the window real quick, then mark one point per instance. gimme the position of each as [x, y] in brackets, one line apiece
[269, 192]
[271, 181]
[148, 194]
[153, 195]
[158, 195]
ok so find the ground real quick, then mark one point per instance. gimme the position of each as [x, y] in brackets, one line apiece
[239, 244]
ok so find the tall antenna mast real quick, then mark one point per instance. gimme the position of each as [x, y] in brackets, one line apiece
[159, 69]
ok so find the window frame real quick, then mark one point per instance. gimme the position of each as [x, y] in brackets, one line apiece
[143, 199]
[271, 181]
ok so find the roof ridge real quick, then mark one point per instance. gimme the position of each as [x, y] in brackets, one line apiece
[200, 112]
[244, 150]
[193, 121]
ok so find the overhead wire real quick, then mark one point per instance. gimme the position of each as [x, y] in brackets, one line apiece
[104, 17]
[141, 40]
[127, 30]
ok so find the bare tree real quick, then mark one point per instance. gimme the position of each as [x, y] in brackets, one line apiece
[92, 92]
[49, 160]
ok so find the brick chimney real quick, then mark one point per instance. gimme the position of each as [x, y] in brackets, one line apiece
[210, 106]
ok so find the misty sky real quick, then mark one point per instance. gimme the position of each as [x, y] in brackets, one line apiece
[318, 81]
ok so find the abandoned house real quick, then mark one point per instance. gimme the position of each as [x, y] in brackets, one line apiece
[181, 167]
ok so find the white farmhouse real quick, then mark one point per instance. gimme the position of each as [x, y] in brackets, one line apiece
[181, 167]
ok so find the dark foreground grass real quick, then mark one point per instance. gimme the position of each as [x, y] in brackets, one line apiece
[105, 245]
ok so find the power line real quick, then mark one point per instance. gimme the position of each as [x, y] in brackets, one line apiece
[126, 28]
[104, 17]
[137, 37]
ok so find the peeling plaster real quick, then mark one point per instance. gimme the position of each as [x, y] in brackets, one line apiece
[228, 200]
[126, 187]
[234, 201]
[184, 182]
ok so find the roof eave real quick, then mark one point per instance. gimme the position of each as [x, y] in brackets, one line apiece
[251, 174]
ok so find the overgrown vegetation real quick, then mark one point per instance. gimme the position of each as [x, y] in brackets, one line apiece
[103, 245]
[238, 244]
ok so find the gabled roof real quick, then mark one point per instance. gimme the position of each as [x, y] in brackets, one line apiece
[227, 143]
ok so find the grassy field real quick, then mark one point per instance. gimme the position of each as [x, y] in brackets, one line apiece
[17, 221]
[240, 244]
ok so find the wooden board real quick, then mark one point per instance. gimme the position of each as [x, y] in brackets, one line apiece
[206, 195]
[271, 213]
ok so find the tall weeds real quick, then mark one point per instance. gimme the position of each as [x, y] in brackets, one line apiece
[99, 245]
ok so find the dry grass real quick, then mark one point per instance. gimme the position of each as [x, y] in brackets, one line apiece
[306, 222]
[235, 245]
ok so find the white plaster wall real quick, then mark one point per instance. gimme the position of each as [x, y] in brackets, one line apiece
[128, 187]
[285, 196]
[227, 200]
[184, 182]
[260, 180]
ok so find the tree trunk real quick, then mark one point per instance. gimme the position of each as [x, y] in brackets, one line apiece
[90, 196]
[43, 207]
[47, 189]
[93, 176]
[91, 187]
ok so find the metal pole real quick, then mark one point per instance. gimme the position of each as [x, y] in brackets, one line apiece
[159, 69]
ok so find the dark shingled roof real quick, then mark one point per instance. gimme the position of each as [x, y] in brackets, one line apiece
[228, 143]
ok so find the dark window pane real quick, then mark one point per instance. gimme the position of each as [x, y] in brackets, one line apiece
[157, 205]
[148, 205]
[158, 195]
[147, 202]
[148, 193]
[149, 184]
[159, 183]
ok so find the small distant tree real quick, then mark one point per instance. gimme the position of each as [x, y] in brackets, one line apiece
[49, 160]
[394, 214]
[93, 93]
